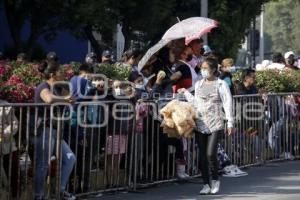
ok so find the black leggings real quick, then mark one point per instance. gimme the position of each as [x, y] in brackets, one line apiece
[208, 144]
[12, 172]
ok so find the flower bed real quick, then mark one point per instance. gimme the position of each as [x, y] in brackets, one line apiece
[18, 81]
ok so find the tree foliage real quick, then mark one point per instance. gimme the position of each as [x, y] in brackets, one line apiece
[141, 20]
[282, 19]
[235, 18]
[43, 17]
[275, 81]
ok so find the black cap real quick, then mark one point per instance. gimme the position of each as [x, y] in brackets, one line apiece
[21, 56]
[277, 57]
[106, 53]
[134, 75]
[91, 55]
[52, 56]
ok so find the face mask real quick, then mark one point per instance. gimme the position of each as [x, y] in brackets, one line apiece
[232, 69]
[119, 92]
[189, 57]
[204, 73]
[140, 86]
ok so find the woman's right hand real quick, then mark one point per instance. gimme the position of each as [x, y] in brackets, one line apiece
[181, 90]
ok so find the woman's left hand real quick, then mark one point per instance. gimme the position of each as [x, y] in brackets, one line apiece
[230, 131]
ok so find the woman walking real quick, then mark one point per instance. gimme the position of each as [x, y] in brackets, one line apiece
[212, 95]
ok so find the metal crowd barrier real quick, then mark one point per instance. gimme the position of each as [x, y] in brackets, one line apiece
[270, 132]
[116, 149]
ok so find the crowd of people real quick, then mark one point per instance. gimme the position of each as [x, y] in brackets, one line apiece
[279, 62]
[192, 70]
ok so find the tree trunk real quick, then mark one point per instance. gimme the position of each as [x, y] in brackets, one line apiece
[127, 36]
[34, 33]
[89, 34]
[30, 45]
[15, 23]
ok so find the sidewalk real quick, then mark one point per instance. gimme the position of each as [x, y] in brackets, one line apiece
[275, 181]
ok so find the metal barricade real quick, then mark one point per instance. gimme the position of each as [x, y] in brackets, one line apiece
[47, 138]
[267, 129]
[120, 146]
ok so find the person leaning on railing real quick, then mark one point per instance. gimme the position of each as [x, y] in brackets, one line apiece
[247, 84]
[43, 94]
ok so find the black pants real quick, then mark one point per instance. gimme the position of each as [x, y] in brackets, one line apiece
[82, 156]
[12, 173]
[208, 144]
[175, 142]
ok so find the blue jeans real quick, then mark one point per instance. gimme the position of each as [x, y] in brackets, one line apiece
[44, 145]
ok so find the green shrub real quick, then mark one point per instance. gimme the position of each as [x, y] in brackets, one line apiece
[275, 81]
[115, 71]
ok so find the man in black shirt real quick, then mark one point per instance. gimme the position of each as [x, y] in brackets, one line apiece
[184, 75]
[247, 86]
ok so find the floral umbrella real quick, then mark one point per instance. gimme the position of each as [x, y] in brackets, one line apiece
[189, 29]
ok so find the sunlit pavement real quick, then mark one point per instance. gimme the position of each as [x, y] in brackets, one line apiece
[270, 182]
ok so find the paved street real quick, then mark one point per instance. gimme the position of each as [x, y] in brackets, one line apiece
[273, 181]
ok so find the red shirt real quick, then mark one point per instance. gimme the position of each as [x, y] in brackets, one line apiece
[186, 80]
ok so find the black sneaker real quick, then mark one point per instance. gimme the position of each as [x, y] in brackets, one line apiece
[67, 196]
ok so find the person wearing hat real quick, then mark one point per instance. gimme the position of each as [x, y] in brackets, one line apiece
[290, 61]
[52, 57]
[91, 61]
[105, 60]
[207, 50]
[91, 58]
[277, 61]
[106, 57]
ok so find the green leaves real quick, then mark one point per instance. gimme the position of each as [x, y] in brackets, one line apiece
[270, 81]
[115, 71]
[282, 19]
[29, 74]
[142, 20]
[235, 17]
[275, 81]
